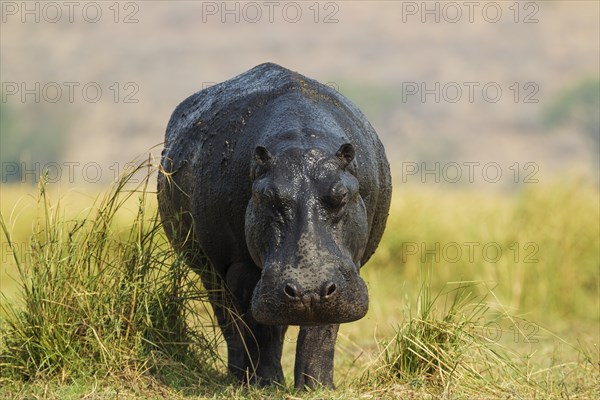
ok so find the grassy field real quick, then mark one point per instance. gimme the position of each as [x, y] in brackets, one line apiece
[472, 295]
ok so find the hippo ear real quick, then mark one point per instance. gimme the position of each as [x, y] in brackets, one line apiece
[262, 156]
[346, 153]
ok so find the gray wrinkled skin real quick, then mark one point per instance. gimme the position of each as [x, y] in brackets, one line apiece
[283, 186]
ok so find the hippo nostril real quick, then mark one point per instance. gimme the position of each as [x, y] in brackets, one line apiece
[329, 289]
[291, 291]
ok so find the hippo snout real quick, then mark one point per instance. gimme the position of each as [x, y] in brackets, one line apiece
[311, 300]
[293, 301]
[309, 297]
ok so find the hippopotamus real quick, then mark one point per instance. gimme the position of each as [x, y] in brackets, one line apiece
[276, 190]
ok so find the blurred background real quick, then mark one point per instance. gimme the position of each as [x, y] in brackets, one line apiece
[489, 113]
[505, 87]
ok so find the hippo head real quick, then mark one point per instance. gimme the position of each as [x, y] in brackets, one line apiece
[306, 227]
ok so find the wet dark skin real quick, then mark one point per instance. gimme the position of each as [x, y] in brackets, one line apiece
[283, 186]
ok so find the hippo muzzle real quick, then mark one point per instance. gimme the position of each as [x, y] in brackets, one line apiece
[292, 295]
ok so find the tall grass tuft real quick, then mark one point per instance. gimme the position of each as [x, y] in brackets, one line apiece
[99, 299]
[458, 344]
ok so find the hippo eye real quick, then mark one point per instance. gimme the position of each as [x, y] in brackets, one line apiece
[269, 194]
[273, 199]
[262, 191]
[337, 199]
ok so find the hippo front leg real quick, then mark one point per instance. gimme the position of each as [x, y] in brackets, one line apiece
[254, 349]
[314, 356]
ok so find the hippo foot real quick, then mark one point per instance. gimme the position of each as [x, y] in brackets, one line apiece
[264, 379]
[307, 381]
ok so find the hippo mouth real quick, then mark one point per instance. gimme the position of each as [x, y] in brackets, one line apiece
[290, 303]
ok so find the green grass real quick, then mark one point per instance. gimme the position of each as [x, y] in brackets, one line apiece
[102, 302]
[99, 305]
[452, 346]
